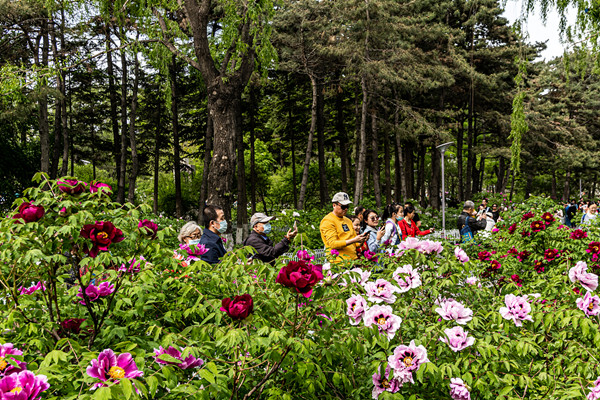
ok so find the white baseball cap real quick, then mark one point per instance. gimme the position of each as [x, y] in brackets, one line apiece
[341, 198]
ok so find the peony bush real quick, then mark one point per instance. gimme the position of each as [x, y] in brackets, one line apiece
[99, 303]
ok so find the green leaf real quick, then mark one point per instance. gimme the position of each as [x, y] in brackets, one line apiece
[102, 393]
[126, 386]
[204, 373]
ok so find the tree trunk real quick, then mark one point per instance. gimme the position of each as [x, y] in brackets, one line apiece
[460, 132]
[481, 173]
[512, 186]
[208, 145]
[112, 91]
[554, 193]
[341, 129]
[292, 136]
[242, 210]
[421, 177]
[43, 105]
[124, 131]
[435, 185]
[408, 171]
[362, 150]
[63, 102]
[567, 187]
[311, 133]
[135, 165]
[400, 186]
[157, 130]
[323, 192]
[375, 159]
[387, 168]
[253, 107]
[175, 123]
[500, 172]
[470, 156]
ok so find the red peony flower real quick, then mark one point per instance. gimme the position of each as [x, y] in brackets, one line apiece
[29, 212]
[525, 233]
[484, 255]
[551, 254]
[512, 228]
[300, 275]
[239, 307]
[548, 218]
[513, 251]
[72, 325]
[522, 256]
[71, 186]
[527, 216]
[578, 234]
[148, 228]
[102, 234]
[539, 266]
[518, 281]
[537, 226]
[594, 248]
[96, 186]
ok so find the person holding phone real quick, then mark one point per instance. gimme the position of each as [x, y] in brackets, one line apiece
[371, 226]
[337, 231]
[258, 239]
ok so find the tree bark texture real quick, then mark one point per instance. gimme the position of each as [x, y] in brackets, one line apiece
[135, 165]
[175, 127]
[208, 140]
[341, 129]
[253, 107]
[311, 133]
[375, 159]
[112, 92]
[323, 192]
[43, 104]
[362, 150]
[124, 131]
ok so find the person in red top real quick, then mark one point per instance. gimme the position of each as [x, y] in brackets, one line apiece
[408, 227]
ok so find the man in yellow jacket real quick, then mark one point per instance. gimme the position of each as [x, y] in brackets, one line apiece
[337, 231]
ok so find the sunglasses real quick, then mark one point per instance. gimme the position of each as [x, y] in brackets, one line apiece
[343, 207]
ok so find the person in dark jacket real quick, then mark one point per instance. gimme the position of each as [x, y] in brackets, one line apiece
[475, 223]
[258, 239]
[216, 225]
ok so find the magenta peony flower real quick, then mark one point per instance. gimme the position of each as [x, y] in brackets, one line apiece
[578, 234]
[539, 266]
[459, 390]
[589, 304]
[537, 226]
[134, 266]
[527, 216]
[102, 234]
[111, 368]
[517, 309]
[300, 275]
[457, 338]
[304, 256]
[103, 188]
[6, 350]
[518, 281]
[189, 362]
[72, 325]
[238, 307]
[484, 255]
[579, 274]
[383, 383]
[33, 288]
[29, 212]
[71, 186]
[23, 386]
[148, 228]
[461, 255]
[494, 265]
[384, 318]
[408, 358]
[94, 292]
[452, 310]
[381, 290]
[551, 254]
[335, 253]
[357, 306]
[407, 278]
[512, 228]
[524, 255]
[370, 256]
[193, 251]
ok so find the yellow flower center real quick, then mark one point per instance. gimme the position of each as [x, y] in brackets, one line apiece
[385, 383]
[116, 372]
[591, 306]
[17, 390]
[381, 320]
[3, 364]
[379, 289]
[408, 361]
[353, 307]
[102, 235]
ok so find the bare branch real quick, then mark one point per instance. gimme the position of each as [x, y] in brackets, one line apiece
[171, 46]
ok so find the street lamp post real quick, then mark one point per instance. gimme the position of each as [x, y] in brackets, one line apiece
[442, 148]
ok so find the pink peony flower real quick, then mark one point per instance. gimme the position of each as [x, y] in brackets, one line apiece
[383, 383]
[71, 186]
[109, 367]
[517, 309]
[578, 234]
[461, 255]
[189, 362]
[148, 228]
[6, 350]
[452, 310]
[408, 358]
[595, 391]
[23, 386]
[29, 212]
[357, 306]
[300, 275]
[103, 188]
[364, 276]
[407, 278]
[579, 274]
[33, 288]
[94, 292]
[384, 319]
[430, 247]
[472, 280]
[102, 234]
[457, 338]
[381, 290]
[459, 390]
[193, 251]
[589, 304]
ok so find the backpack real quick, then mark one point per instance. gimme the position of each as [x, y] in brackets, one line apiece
[465, 232]
[395, 232]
